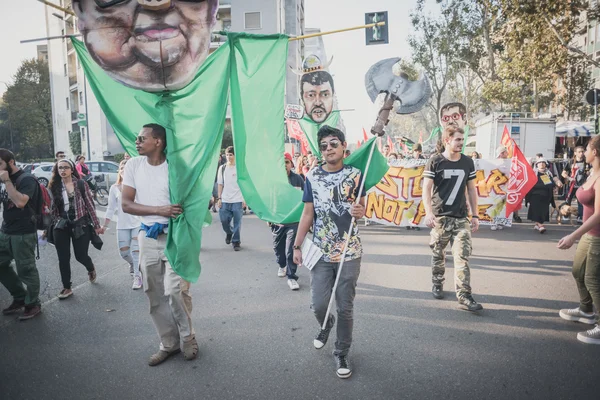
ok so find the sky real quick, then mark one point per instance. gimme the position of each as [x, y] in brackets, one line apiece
[19, 20]
[24, 19]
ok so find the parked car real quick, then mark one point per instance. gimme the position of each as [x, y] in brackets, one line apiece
[108, 168]
[43, 173]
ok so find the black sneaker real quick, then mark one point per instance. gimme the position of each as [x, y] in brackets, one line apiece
[237, 246]
[321, 339]
[468, 301]
[228, 239]
[438, 291]
[14, 308]
[343, 367]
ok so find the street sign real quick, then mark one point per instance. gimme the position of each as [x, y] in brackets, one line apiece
[294, 111]
[593, 97]
[377, 34]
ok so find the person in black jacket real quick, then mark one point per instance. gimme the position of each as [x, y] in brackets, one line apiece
[285, 235]
[540, 197]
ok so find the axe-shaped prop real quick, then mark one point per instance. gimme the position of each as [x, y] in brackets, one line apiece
[385, 77]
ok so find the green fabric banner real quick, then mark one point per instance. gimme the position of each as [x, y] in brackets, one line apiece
[253, 69]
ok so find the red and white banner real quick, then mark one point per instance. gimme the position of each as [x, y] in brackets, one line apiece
[521, 180]
[296, 132]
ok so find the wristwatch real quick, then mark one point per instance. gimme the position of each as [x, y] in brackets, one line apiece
[297, 247]
[475, 216]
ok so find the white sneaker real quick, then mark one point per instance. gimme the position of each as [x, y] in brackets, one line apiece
[591, 337]
[500, 227]
[575, 314]
[494, 227]
[293, 284]
[281, 273]
[137, 282]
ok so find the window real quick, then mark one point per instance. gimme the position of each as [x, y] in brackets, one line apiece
[252, 20]
[47, 168]
[80, 98]
[94, 167]
[227, 25]
[110, 168]
[67, 103]
[65, 66]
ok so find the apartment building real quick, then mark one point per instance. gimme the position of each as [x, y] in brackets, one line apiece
[76, 112]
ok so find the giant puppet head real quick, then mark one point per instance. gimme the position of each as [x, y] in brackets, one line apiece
[453, 114]
[153, 45]
[316, 89]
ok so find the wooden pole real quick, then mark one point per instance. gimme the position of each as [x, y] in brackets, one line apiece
[66, 10]
[312, 35]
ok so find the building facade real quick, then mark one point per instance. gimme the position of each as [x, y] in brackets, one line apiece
[76, 112]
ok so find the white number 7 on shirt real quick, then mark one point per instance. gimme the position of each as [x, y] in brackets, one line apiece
[460, 175]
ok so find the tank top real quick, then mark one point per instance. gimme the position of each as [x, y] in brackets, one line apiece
[587, 198]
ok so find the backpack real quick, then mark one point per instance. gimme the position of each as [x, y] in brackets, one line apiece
[42, 213]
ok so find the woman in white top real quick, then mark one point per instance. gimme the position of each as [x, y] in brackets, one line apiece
[128, 227]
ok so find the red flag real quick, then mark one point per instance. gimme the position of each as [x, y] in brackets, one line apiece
[522, 179]
[391, 144]
[507, 142]
[358, 144]
[365, 136]
[296, 132]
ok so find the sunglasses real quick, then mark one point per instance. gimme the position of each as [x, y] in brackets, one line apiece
[334, 145]
[454, 117]
[64, 167]
[110, 3]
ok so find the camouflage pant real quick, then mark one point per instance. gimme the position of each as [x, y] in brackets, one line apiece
[458, 230]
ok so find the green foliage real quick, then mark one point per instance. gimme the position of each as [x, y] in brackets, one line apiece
[27, 111]
[119, 157]
[75, 142]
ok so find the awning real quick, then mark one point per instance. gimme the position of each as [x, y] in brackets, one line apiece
[574, 129]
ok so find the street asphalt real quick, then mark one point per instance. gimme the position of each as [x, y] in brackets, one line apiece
[255, 334]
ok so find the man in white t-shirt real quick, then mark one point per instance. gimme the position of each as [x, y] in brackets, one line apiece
[230, 201]
[146, 194]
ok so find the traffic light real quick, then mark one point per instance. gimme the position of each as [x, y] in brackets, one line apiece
[377, 34]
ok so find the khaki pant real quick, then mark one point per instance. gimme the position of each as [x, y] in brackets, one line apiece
[458, 229]
[169, 294]
[586, 271]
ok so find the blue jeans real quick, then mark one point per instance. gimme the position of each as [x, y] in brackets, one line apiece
[283, 244]
[228, 212]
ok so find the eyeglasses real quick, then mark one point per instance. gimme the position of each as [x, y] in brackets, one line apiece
[110, 3]
[61, 156]
[454, 117]
[64, 167]
[140, 139]
[334, 145]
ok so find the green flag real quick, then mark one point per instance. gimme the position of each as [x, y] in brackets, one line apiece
[252, 68]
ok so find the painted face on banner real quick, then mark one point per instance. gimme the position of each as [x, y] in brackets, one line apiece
[453, 116]
[148, 45]
[317, 95]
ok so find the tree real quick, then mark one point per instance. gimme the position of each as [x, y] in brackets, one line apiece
[75, 142]
[27, 110]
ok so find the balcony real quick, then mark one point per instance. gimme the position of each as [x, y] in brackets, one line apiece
[72, 80]
[75, 115]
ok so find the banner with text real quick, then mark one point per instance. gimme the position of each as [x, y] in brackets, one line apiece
[397, 199]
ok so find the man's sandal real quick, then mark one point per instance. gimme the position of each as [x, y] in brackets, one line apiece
[190, 350]
[161, 357]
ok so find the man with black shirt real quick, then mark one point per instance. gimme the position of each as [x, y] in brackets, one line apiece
[284, 235]
[18, 237]
[60, 155]
[446, 177]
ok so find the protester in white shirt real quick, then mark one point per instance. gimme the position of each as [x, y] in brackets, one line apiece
[146, 194]
[128, 227]
[230, 201]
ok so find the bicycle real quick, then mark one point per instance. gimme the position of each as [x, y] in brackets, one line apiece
[99, 194]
